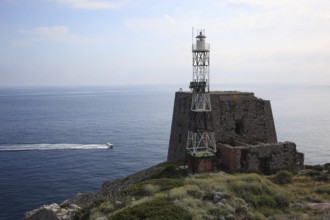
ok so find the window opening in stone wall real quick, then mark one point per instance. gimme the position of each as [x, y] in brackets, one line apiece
[239, 127]
[244, 158]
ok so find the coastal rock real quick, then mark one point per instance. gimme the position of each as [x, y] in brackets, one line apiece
[230, 217]
[113, 187]
[81, 198]
[71, 206]
[52, 212]
[230, 209]
[118, 204]
[322, 206]
[220, 197]
[220, 205]
[217, 204]
[217, 197]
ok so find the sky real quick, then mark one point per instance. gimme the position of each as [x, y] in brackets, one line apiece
[142, 42]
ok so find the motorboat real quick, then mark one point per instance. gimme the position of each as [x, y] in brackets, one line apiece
[109, 145]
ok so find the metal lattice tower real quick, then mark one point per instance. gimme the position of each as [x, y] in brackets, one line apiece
[200, 133]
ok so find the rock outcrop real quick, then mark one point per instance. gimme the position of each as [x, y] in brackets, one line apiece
[68, 208]
[52, 212]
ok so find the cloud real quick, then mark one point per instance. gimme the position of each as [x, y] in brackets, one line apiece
[159, 25]
[289, 16]
[61, 34]
[263, 3]
[89, 4]
[281, 39]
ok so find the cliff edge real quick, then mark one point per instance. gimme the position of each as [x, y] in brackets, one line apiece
[168, 191]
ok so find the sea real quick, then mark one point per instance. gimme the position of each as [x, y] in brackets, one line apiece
[52, 139]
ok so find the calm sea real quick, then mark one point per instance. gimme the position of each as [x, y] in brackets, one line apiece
[52, 139]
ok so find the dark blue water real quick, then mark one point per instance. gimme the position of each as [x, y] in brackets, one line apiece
[136, 121]
[52, 139]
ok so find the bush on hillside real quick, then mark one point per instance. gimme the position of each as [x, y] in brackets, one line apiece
[160, 209]
[171, 171]
[283, 177]
[323, 191]
[141, 189]
[259, 193]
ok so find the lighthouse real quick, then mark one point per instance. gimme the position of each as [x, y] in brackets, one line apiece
[230, 129]
[201, 146]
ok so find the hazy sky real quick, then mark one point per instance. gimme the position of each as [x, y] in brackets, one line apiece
[109, 42]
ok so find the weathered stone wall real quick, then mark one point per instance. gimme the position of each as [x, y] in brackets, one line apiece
[265, 158]
[179, 129]
[237, 117]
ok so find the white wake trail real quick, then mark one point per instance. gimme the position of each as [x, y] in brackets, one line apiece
[62, 146]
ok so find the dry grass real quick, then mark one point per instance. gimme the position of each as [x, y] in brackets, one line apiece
[177, 193]
[151, 189]
[219, 195]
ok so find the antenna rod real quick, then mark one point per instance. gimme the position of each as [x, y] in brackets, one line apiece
[192, 36]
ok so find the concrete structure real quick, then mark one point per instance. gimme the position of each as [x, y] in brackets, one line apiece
[201, 162]
[265, 158]
[244, 131]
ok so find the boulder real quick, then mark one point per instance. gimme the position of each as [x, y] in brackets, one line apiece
[52, 212]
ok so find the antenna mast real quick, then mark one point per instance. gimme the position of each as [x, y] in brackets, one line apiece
[192, 36]
[201, 139]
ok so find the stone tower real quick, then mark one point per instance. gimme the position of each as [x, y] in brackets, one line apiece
[242, 125]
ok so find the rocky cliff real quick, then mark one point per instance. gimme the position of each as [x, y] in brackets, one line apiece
[167, 191]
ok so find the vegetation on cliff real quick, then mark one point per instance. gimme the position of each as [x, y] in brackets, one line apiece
[171, 193]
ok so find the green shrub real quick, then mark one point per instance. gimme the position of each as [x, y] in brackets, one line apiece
[282, 201]
[171, 171]
[283, 177]
[317, 175]
[151, 189]
[240, 187]
[255, 216]
[312, 173]
[260, 193]
[194, 191]
[218, 212]
[323, 191]
[160, 209]
[177, 193]
[327, 167]
[136, 190]
[315, 167]
[166, 184]
[95, 214]
[65, 205]
[143, 188]
[86, 211]
[322, 177]
[312, 198]
[252, 177]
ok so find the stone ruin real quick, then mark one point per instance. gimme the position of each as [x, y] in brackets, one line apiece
[244, 131]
